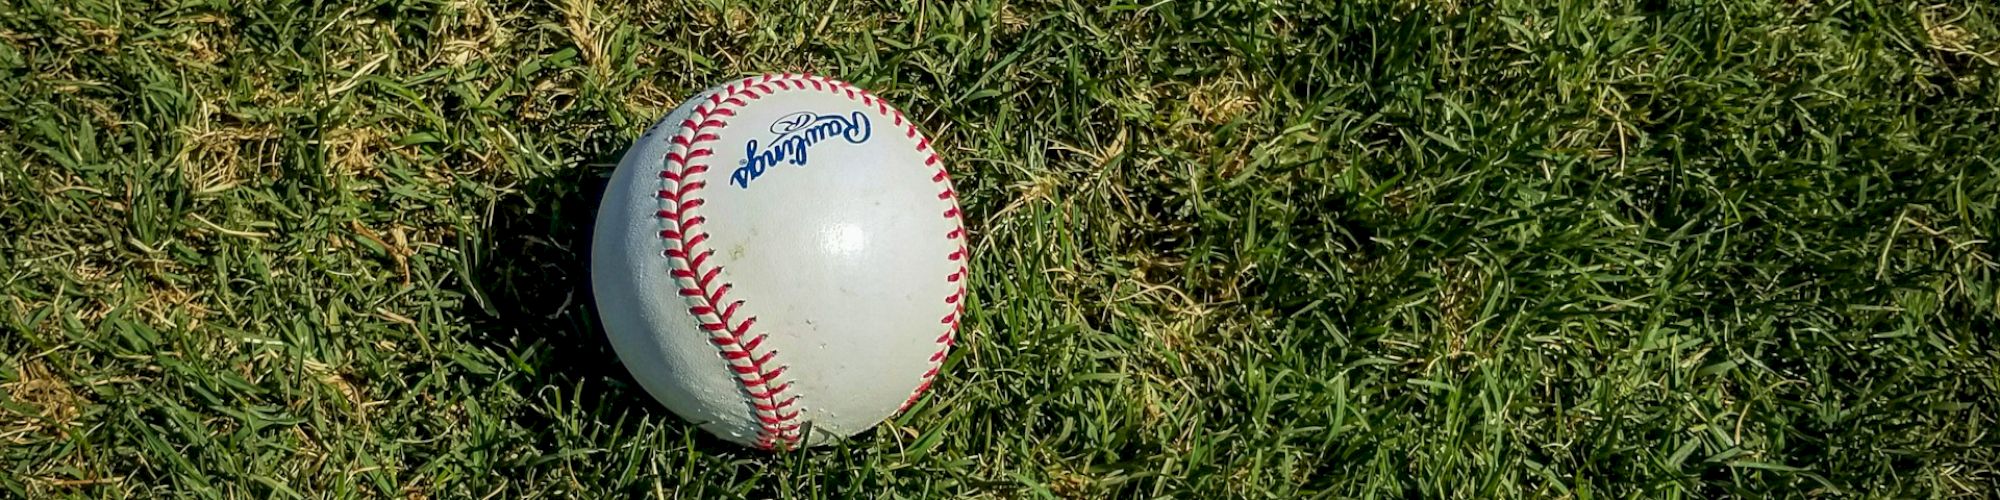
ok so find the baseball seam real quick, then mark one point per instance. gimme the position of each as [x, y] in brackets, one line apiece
[682, 181]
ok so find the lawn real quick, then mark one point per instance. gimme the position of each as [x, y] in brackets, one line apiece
[1223, 249]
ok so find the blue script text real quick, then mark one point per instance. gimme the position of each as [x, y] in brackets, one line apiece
[797, 133]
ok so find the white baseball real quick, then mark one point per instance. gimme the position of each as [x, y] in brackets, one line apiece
[781, 261]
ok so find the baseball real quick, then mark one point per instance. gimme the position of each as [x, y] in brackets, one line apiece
[781, 261]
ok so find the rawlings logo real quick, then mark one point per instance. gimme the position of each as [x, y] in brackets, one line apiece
[797, 133]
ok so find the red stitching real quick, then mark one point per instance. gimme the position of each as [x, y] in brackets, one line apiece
[950, 320]
[756, 369]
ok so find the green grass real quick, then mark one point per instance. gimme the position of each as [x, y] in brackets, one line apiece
[1411, 248]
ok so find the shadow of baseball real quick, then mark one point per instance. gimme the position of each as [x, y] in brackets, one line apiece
[530, 301]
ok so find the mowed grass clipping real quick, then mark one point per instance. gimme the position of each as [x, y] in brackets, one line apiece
[1224, 249]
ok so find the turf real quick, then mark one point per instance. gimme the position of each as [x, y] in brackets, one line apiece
[1224, 249]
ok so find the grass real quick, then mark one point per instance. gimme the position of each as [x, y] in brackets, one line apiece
[1224, 249]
